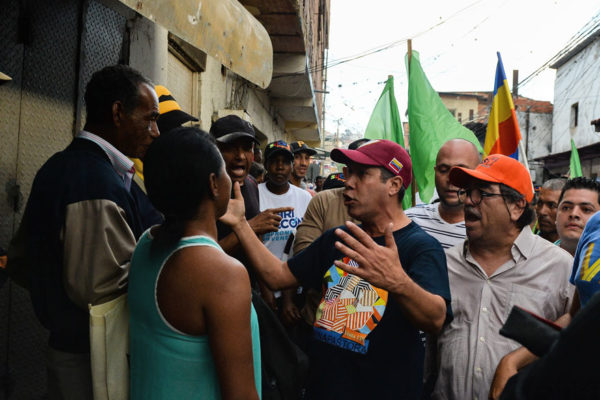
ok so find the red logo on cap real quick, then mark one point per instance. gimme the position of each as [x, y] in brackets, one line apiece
[490, 160]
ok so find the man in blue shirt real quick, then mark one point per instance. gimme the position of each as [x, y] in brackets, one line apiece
[366, 337]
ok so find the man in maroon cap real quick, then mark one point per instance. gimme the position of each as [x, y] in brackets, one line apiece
[501, 264]
[385, 285]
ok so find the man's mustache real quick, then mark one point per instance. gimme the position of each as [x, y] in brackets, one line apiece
[471, 213]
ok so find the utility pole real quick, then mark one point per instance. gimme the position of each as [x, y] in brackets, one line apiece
[413, 185]
[336, 139]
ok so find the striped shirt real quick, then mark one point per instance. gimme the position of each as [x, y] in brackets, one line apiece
[428, 218]
[120, 162]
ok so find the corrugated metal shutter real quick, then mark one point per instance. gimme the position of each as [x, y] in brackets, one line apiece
[180, 81]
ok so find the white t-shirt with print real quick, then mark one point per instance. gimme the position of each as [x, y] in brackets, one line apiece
[294, 197]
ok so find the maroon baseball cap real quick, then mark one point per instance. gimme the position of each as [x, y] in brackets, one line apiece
[379, 153]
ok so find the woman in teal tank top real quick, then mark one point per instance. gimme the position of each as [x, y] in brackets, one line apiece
[193, 330]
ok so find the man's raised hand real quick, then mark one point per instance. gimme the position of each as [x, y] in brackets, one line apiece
[268, 220]
[236, 210]
[378, 265]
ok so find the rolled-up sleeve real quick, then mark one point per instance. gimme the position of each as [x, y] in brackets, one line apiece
[98, 244]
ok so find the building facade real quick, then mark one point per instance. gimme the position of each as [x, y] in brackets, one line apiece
[576, 109]
[534, 117]
[259, 59]
[467, 107]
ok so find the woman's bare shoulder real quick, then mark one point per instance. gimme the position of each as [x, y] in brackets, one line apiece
[209, 265]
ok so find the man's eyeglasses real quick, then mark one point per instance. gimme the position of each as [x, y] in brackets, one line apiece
[475, 194]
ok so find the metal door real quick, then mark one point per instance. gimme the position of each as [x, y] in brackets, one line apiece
[50, 49]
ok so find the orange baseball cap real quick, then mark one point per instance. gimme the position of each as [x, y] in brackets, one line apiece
[496, 168]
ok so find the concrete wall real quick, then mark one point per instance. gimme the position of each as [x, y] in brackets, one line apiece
[315, 24]
[577, 82]
[589, 167]
[148, 49]
[461, 105]
[263, 117]
[221, 89]
[213, 92]
[537, 133]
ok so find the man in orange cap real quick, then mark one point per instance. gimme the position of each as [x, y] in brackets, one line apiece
[501, 264]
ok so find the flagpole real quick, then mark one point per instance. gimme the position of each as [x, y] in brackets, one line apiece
[525, 162]
[522, 151]
[413, 186]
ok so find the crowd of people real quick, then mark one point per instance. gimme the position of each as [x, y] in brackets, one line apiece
[203, 229]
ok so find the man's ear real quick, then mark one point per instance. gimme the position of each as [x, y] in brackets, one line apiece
[517, 209]
[395, 185]
[213, 186]
[117, 113]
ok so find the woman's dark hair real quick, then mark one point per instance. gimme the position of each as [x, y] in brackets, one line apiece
[176, 171]
[512, 196]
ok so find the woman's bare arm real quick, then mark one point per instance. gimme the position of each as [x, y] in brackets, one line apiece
[227, 310]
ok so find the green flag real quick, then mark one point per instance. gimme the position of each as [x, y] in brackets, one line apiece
[431, 125]
[385, 124]
[385, 120]
[575, 163]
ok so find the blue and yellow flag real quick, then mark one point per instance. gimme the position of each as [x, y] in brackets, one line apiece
[503, 134]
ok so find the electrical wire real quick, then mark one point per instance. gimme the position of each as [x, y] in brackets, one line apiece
[380, 48]
[588, 30]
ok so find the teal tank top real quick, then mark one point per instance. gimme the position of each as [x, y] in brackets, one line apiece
[166, 363]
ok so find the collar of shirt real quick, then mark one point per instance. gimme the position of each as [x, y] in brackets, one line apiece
[122, 165]
[520, 250]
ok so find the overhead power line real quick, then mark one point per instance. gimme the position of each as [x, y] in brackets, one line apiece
[583, 34]
[380, 48]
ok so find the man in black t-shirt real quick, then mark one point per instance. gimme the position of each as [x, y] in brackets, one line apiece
[236, 140]
[384, 284]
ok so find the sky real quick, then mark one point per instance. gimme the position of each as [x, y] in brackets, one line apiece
[457, 42]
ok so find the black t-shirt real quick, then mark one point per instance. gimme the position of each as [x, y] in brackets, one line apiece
[363, 347]
[250, 194]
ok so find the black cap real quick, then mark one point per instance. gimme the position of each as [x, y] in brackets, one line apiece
[357, 143]
[335, 180]
[300, 146]
[230, 128]
[277, 147]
